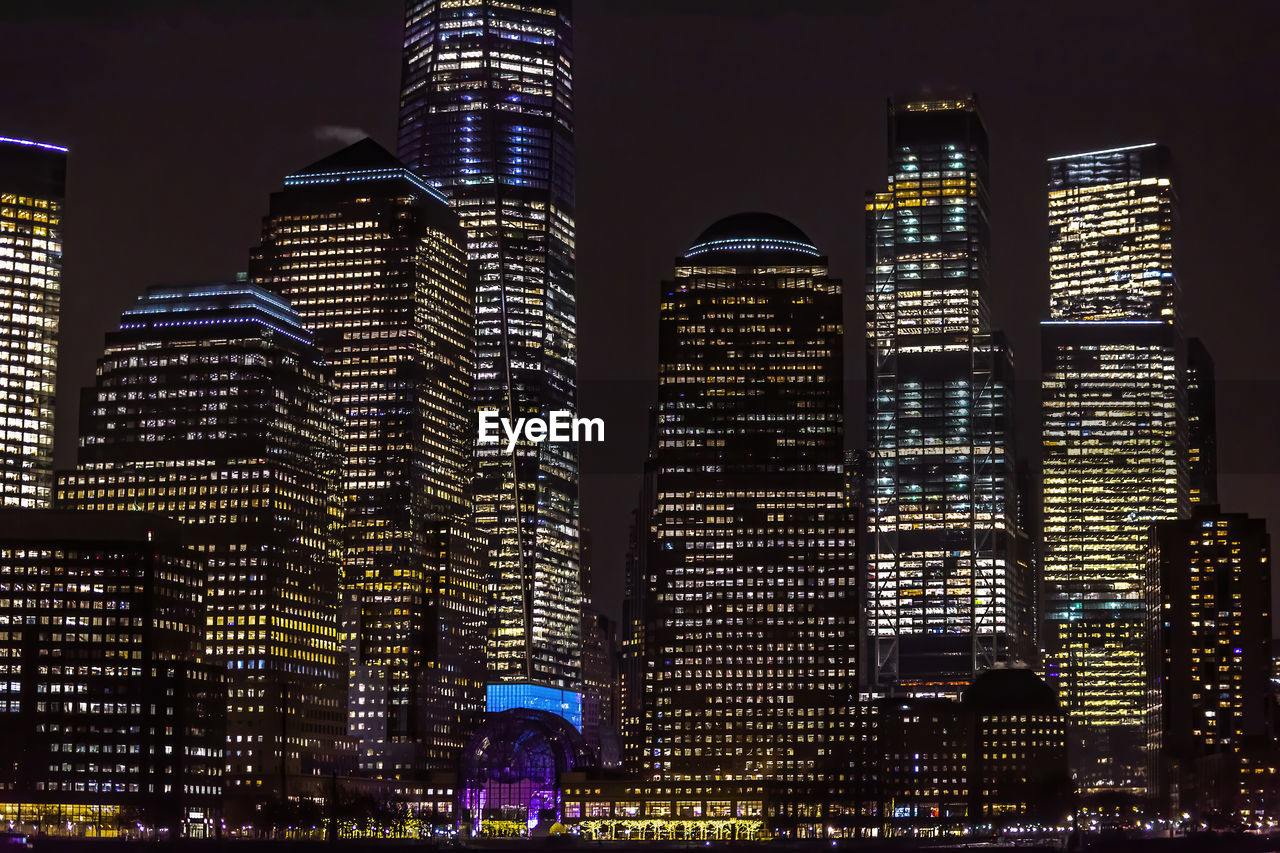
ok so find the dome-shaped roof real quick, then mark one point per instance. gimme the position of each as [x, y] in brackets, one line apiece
[1010, 689]
[751, 235]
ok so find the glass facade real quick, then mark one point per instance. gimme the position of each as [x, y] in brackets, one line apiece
[32, 189]
[1114, 441]
[110, 718]
[213, 406]
[751, 609]
[946, 596]
[486, 114]
[372, 259]
[508, 695]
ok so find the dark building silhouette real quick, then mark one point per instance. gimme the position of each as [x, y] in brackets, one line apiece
[1202, 425]
[486, 115]
[110, 718]
[213, 406]
[601, 690]
[945, 598]
[374, 262]
[750, 617]
[1211, 716]
[639, 559]
[32, 194]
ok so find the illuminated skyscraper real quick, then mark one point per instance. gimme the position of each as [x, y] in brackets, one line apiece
[1114, 433]
[486, 114]
[32, 187]
[1209, 657]
[944, 595]
[751, 614]
[374, 262]
[213, 406]
[1202, 425]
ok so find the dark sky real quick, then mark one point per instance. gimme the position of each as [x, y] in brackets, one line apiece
[183, 117]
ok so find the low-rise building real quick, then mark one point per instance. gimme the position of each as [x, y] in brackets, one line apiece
[112, 724]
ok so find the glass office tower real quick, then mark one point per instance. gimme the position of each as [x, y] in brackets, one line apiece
[486, 114]
[946, 596]
[213, 406]
[32, 188]
[1114, 434]
[751, 613]
[374, 262]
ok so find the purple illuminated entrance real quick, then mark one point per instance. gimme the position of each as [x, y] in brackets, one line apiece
[512, 766]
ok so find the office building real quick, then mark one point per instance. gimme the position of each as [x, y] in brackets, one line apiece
[944, 597]
[372, 259]
[995, 760]
[32, 192]
[486, 115]
[1114, 439]
[212, 406]
[112, 723]
[1211, 707]
[750, 616]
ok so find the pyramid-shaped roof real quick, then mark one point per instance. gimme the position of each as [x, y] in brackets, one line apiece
[361, 156]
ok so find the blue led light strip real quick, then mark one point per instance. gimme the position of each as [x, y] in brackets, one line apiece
[33, 144]
[366, 175]
[752, 244]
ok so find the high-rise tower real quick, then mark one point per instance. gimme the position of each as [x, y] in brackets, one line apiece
[374, 262]
[486, 114]
[944, 597]
[751, 615]
[1202, 425]
[213, 406]
[32, 187]
[1114, 433]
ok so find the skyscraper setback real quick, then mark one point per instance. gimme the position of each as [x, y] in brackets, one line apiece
[486, 114]
[945, 595]
[1114, 434]
[32, 188]
[374, 262]
[751, 615]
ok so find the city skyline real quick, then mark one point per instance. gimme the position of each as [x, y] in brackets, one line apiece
[124, 157]
[974, 591]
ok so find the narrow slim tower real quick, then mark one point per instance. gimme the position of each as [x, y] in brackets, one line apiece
[32, 187]
[1114, 433]
[751, 615]
[1202, 425]
[944, 596]
[486, 114]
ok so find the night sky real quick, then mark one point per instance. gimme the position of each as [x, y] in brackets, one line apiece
[183, 117]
